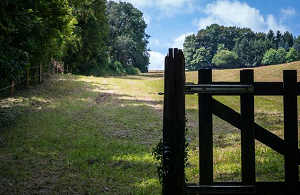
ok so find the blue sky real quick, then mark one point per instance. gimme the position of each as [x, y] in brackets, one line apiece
[169, 21]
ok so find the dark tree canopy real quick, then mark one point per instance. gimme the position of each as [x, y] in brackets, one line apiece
[127, 38]
[92, 37]
[250, 47]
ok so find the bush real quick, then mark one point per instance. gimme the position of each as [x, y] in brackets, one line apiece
[226, 59]
[281, 55]
[270, 57]
[292, 55]
[132, 71]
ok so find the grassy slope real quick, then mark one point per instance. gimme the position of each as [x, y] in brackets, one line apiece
[88, 135]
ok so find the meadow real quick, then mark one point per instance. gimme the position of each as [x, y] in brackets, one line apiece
[95, 135]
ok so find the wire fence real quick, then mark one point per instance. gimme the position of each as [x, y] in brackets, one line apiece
[28, 78]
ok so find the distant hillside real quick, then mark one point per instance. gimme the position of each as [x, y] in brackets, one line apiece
[265, 73]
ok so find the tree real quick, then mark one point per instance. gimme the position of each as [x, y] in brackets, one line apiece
[292, 55]
[270, 57]
[226, 59]
[201, 58]
[278, 39]
[189, 51]
[287, 40]
[296, 44]
[32, 32]
[87, 52]
[244, 51]
[127, 38]
[281, 55]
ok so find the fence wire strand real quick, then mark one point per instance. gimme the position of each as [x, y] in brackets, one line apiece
[25, 79]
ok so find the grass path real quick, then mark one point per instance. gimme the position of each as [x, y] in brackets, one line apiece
[91, 135]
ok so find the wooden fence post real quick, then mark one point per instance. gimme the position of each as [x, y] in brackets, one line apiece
[290, 132]
[205, 130]
[247, 130]
[28, 76]
[174, 124]
[40, 72]
[12, 91]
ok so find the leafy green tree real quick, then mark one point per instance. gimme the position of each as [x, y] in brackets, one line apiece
[281, 55]
[296, 44]
[278, 40]
[292, 55]
[32, 32]
[226, 59]
[189, 51]
[221, 47]
[201, 58]
[127, 38]
[287, 40]
[244, 51]
[87, 52]
[270, 57]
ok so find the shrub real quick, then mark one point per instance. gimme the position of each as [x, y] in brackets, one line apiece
[226, 59]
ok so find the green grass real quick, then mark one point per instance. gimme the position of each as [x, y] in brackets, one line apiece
[94, 135]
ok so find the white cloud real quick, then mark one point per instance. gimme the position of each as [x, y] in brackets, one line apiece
[287, 13]
[167, 7]
[155, 42]
[272, 24]
[236, 13]
[147, 18]
[157, 61]
[178, 41]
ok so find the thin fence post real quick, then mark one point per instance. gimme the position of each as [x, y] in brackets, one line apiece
[290, 132]
[247, 130]
[40, 72]
[28, 76]
[174, 124]
[205, 130]
[12, 91]
[52, 66]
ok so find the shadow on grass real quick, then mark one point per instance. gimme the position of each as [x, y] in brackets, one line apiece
[72, 139]
[76, 137]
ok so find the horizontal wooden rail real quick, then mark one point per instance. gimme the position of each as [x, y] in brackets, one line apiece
[265, 188]
[259, 88]
[261, 134]
[221, 189]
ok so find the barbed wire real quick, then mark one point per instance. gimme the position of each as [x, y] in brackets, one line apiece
[34, 67]
[25, 80]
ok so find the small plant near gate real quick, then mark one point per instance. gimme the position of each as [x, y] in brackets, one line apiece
[157, 152]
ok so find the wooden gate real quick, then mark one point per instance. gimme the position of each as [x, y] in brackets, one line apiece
[174, 128]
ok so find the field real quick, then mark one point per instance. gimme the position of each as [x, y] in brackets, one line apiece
[94, 135]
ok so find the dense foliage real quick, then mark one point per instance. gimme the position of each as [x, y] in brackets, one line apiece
[91, 37]
[211, 46]
[32, 32]
[127, 37]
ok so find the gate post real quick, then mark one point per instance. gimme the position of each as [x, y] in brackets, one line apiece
[290, 132]
[174, 124]
[247, 130]
[205, 130]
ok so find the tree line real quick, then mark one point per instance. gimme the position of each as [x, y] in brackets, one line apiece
[93, 37]
[234, 47]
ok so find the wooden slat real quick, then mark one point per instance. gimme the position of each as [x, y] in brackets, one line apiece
[263, 188]
[262, 88]
[205, 130]
[268, 88]
[247, 130]
[291, 132]
[261, 134]
[174, 125]
[220, 189]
